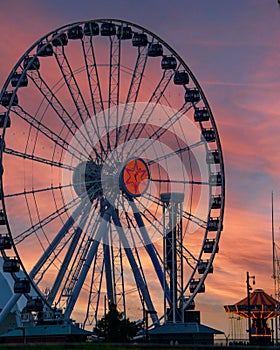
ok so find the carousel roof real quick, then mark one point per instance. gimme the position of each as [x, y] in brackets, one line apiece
[262, 305]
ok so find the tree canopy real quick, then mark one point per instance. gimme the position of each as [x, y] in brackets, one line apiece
[114, 327]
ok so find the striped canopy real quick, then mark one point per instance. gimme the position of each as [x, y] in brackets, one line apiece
[262, 306]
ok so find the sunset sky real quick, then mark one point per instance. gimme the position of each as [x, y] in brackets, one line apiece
[232, 47]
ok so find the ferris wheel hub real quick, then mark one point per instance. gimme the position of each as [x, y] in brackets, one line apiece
[134, 177]
[87, 179]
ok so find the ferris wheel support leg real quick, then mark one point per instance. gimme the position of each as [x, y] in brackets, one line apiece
[102, 232]
[137, 275]
[68, 256]
[108, 273]
[8, 307]
[150, 248]
[69, 223]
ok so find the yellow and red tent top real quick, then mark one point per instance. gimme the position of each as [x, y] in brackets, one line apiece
[262, 306]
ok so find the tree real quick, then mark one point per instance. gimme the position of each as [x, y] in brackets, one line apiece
[113, 327]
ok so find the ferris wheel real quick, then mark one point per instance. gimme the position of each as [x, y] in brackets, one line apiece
[112, 181]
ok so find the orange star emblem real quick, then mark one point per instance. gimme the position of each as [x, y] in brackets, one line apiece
[135, 177]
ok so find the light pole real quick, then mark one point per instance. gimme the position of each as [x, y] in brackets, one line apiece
[249, 288]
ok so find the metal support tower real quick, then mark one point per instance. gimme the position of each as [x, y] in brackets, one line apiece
[172, 252]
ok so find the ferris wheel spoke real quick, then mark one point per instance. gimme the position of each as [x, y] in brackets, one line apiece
[137, 230]
[175, 152]
[152, 103]
[64, 230]
[115, 80]
[113, 85]
[137, 271]
[180, 181]
[67, 258]
[114, 74]
[102, 231]
[43, 129]
[80, 257]
[60, 111]
[137, 76]
[117, 269]
[185, 214]
[151, 217]
[119, 279]
[94, 87]
[53, 261]
[189, 257]
[159, 132]
[94, 295]
[156, 97]
[134, 87]
[93, 76]
[82, 251]
[34, 158]
[33, 191]
[95, 91]
[195, 219]
[43, 222]
[76, 95]
[134, 230]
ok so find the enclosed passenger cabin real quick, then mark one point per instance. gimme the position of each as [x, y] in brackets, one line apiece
[75, 33]
[192, 95]
[201, 115]
[59, 39]
[191, 305]
[213, 224]
[213, 157]
[91, 29]
[155, 50]
[193, 285]
[19, 79]
[108, 29]
[216, 202]
[11, 265]
[7, 99]
[31, 63]
[209, 245]
[22, 286]
[168, 62]
[44, 50]
[202, 266]
[5, 242]
[124, 33]
[215, 179]
[181, 78]
[4, 118]
[208, 135]
[34, 305]
[139, 39]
